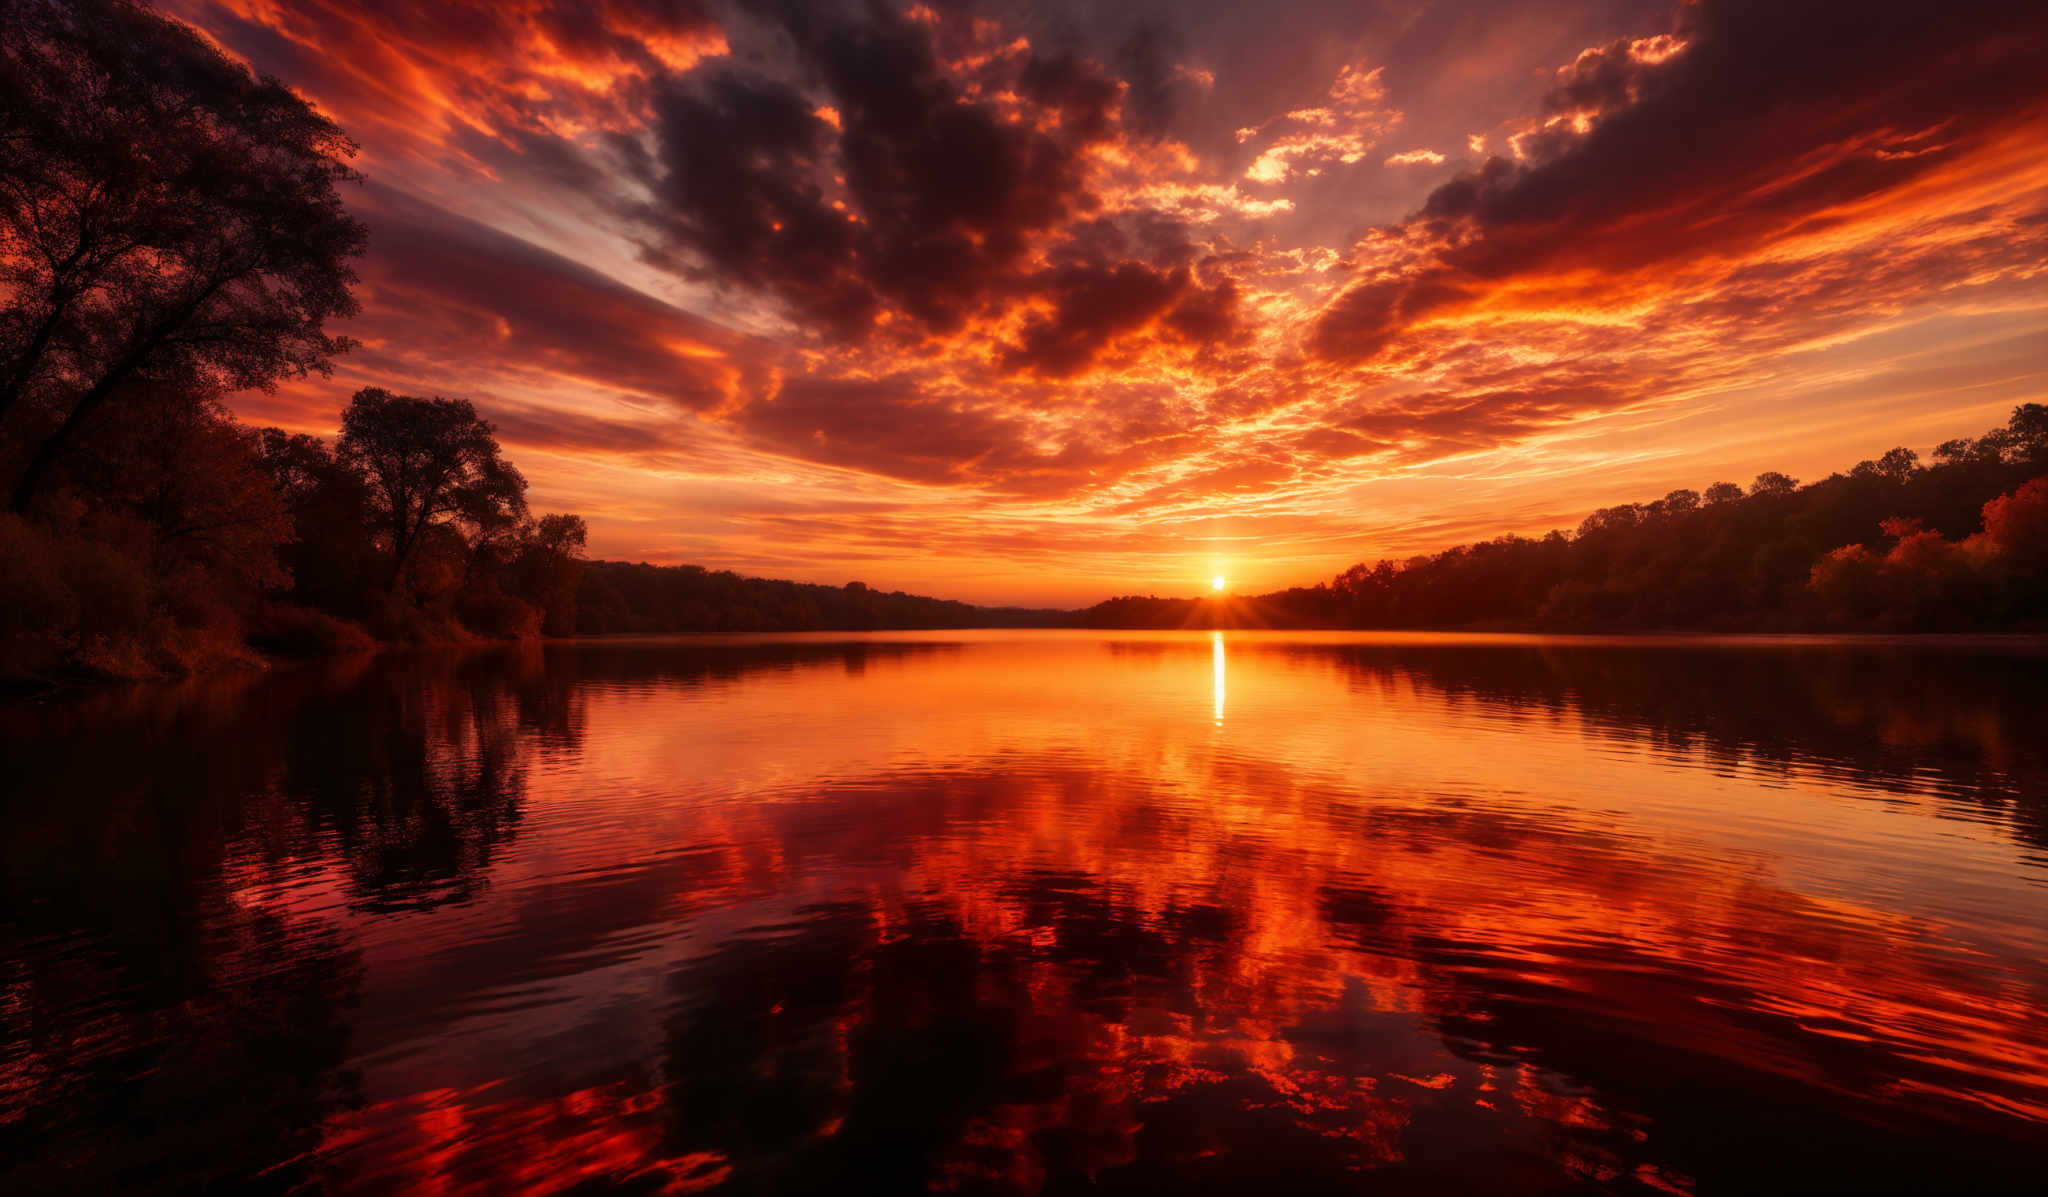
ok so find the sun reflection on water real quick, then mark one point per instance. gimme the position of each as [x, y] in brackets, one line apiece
[1216, 654]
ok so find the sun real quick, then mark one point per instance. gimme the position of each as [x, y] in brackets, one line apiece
[1216, 583]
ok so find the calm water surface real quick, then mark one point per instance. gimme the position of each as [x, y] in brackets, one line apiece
[1037, 912]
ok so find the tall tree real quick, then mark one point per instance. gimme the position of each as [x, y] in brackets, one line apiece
[549, 567]
[429, 464]
[166, 218]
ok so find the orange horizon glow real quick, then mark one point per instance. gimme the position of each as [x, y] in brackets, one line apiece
[1377, 287]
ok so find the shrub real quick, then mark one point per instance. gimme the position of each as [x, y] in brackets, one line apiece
[398, 621]
[500, 617]
[288, 631]
[109, 590]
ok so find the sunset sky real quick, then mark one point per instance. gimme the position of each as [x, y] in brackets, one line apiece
[1040, 303]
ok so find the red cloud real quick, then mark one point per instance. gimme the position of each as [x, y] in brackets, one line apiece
[1751, 124]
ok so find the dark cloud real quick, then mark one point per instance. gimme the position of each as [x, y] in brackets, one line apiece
[887, 425]
[1600, 80]
[1771, 116]
[1154, 88]
[919, 194]
[1368, 316]
[745, 187]
[618, 26]
[902, 427]
[1206, 316]
[560, 431]
[1092, 305]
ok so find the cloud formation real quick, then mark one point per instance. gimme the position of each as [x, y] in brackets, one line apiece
[1749, 127]
[1134, 297]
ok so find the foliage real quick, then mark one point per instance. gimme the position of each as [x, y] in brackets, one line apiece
[163, 528]
[289, 630]
[175, 535]
[169, 223]
[547, 566]
[332, 558]
[416, 525]
[428, 465]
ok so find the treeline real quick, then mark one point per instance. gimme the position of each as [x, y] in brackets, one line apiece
[617, 597]
[172, 539]
[1892, 545]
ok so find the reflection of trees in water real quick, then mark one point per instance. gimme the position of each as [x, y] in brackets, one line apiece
[209, 1061]
[649, 665]
[409, 770]
[162, 1026]
[167, 1022]
[417, 775]
[1963, 724]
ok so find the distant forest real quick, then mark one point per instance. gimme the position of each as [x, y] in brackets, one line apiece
[1893, 546]
[618, 597]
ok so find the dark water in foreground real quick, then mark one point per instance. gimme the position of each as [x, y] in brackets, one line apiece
[1037, 912]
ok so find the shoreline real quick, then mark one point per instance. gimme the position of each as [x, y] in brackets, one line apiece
[28, 689]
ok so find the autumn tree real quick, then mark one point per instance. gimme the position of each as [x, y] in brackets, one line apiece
[2016, 528]
[182, 484]
[167, 219]
[430, 467]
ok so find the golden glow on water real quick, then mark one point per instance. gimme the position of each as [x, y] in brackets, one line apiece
[1534, 907]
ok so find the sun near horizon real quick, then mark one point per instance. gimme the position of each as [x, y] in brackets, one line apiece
[1217, 583]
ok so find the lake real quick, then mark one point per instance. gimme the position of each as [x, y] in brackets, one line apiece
[1037, 912]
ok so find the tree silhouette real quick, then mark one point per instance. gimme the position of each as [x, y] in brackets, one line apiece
[1771, 482]
[548, 568]
[431, 465]
[165, 218]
